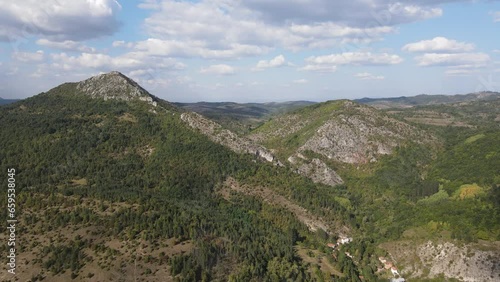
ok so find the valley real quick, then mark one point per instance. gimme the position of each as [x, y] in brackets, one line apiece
[116, 184]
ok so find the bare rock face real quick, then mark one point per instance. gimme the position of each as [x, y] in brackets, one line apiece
[460, 262]
[115, 85]
[216, 133]
[433, 259]
[319, 172]
[340, 131]
[354, 139]
[345, 132]
[359, 137]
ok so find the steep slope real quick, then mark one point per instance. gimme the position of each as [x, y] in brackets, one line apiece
[113, 185]
[336, 131]
[225, 137]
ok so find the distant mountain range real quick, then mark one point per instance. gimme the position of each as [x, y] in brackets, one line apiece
[425, 100]
[7, 101]
[241, 111]
[241, 117]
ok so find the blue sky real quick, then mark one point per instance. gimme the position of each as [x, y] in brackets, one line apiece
[254, 50]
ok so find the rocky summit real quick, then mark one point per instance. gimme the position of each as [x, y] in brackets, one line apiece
[115, 85]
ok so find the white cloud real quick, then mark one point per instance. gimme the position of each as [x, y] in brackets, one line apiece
[220, 69]
[438, 45]
[355, 58]
[58, 20]
[121, 43]
[496, 16]
[190, 48]
[232, 29]
[354, 12]
[300, 81]
[104, 62]
[28, 57]
[319, 68]
[368, 76]
[67, 45]
[411, 12]
[460, 72]
[330, 29]
[277, 61]
[329, 63]
[151, 72]
[457, 59]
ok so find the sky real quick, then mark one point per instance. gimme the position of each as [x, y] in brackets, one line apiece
[254, 50]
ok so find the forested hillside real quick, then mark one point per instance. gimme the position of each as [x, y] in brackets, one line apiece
[437, 182]
[120, 187]
[113, 185]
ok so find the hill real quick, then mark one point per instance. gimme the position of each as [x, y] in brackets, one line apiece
[115, 184]
[472, 114]
[425, 100]
[412, 186]
[334, 132]
[240, 118]
[112, 184]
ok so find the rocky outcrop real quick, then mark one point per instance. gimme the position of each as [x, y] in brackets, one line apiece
[465, 262]
[462, 262]
[342, 131]
[359, 134]
[355, 139]
[335, 131]
[115, 85]
[225, 137]
[316, 170]
[319, 172]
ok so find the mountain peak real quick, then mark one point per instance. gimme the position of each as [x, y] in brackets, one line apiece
[114, 85]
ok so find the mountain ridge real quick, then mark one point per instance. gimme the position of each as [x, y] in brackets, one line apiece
[116, 181]
[427, 99]
[7, 101]
[340, 131]
[109, 189]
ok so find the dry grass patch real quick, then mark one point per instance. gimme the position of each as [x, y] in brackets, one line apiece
[128, 117]
[467, 191]
[79, 182]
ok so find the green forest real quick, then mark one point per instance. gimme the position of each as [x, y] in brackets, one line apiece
[136, 175]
